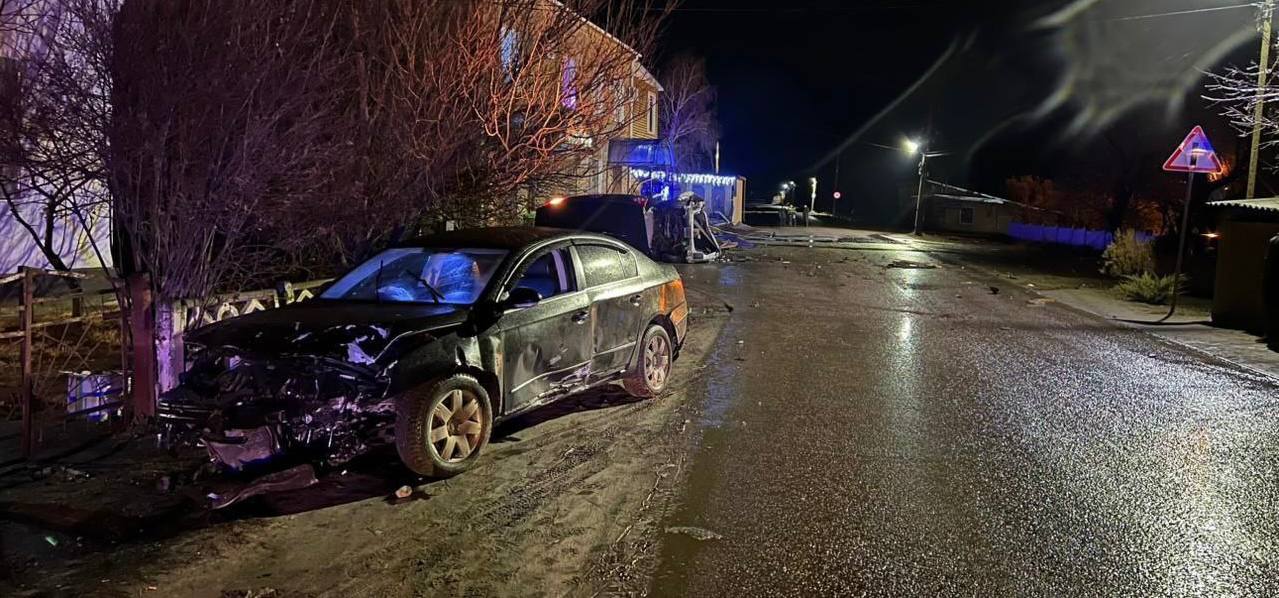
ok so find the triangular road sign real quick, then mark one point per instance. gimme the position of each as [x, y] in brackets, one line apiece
[1195, 154]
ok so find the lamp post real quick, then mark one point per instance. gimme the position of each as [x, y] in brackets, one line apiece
[812, 199]
[912, 147]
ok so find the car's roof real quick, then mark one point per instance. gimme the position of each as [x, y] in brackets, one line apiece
[505, 237]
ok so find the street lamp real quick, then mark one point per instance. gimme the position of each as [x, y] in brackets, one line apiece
[812, 199]
[914, 147]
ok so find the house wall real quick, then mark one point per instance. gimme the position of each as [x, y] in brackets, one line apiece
[947, 215]
[71, 241]
[1241, 255]
[646, 98]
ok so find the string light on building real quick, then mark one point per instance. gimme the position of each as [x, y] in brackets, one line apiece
[691, 178]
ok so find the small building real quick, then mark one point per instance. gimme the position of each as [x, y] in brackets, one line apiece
[1244, 228]
[948, 208]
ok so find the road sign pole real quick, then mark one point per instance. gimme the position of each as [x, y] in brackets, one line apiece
[1181, 246]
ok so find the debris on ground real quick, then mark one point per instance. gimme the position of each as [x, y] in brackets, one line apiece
[293, 478]
[909, 265]
[404, 492]
[994, 290]
[59, 472]
[695, 533]
[1040, 301]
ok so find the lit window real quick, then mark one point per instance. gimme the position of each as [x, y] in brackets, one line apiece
[652, 112]
[569, 84]
[509, 50]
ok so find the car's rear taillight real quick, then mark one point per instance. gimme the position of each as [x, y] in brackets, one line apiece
[677, 289]
[672, 294]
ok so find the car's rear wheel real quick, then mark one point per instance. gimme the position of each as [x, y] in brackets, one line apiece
[441, 428]
[652, 369]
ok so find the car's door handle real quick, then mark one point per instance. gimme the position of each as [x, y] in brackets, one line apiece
[636, 300]
[581, 317]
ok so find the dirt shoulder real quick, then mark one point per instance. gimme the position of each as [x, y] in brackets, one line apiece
[566, 502]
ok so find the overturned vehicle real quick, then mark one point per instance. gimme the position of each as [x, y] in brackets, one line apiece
[427, 345]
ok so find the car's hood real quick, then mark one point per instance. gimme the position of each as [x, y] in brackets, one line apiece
[357, 332]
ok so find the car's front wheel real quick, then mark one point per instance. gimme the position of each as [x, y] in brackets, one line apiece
[652, 369]
[441, 427]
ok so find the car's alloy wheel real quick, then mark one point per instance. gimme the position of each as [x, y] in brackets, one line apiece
[442, 426]
[652, 370]
[456, 426]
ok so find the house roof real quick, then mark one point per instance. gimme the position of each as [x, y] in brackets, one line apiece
[1270, 204]
[962, 194]
[971, 198]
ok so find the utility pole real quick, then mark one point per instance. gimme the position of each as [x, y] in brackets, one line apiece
[1263, 73]
[919, 196]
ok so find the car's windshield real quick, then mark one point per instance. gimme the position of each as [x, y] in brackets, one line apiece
[419, 275]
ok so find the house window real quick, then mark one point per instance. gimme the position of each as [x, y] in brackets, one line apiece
[652, 113]
[509, 51]
[965, 215]
[569, 84]
[622, 98]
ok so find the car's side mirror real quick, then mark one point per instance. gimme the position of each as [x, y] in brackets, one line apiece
[521, 297]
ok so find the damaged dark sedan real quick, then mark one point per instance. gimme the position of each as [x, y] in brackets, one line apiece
[427, 345]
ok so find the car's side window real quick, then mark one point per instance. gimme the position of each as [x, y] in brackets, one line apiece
[549, 274]
[603, 264]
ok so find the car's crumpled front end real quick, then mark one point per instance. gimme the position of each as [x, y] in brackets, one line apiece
[252, 413]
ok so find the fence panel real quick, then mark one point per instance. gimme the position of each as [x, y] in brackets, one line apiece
[61, 357]
[1076, 237]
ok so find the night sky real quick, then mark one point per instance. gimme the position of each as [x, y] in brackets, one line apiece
[797, 80]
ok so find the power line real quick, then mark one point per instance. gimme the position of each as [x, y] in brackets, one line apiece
[1190, 11]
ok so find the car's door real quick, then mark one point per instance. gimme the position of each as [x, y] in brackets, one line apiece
[617, 298]
[547, 347]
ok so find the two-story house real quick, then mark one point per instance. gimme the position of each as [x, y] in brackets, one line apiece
[630, 157]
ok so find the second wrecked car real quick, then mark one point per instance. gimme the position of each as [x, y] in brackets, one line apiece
[428, 345]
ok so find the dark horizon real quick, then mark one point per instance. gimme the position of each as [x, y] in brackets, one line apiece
[1008, 96]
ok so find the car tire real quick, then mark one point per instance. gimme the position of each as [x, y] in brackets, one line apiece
[442, 426]
[651, 371]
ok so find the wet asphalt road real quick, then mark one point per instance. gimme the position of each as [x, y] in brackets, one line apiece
[886, 431]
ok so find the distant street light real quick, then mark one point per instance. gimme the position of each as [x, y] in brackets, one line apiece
[912, 146]
[812, 199]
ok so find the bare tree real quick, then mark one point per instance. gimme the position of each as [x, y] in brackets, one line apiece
[310, 131]
[53, 115]
[689, 126]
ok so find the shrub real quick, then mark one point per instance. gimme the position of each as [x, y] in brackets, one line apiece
[1149, 288]
[1128, 256]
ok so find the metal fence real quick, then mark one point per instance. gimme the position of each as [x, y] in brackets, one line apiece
[202, 312]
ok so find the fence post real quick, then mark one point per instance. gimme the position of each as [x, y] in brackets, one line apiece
[283, 293]
[28, 383]
[170, 325]
[142, 333]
